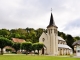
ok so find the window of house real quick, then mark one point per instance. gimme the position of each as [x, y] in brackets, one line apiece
[78, 51]
[58, 42]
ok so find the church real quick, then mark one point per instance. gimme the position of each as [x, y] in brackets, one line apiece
[53, 44]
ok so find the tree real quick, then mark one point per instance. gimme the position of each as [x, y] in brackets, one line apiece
[34, 47]
[27, 46]
[39, 32]
[61, 34]
[39, 46]
[70, 40]
[77, 38]
[18, 33]
[31, 35]
[4, 33]
[4, 42]
[16, 46]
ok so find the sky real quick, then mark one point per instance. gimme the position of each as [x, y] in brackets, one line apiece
[36, 14]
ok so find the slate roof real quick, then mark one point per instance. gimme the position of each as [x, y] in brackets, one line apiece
[76, 43]
[60, 38]
[64, 46]
[52, 23]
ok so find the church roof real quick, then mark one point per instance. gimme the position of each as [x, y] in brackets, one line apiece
[52, 23]
[60, 38]
[76, 43]
[64, 46]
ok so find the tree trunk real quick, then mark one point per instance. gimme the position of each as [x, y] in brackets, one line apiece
[1, 51]
[38, 52]
[26, 52]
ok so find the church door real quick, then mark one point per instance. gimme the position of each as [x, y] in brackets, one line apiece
[43, 51]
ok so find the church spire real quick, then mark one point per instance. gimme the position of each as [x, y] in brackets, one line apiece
[52, 23]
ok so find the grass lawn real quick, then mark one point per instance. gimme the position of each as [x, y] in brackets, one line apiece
[29, 57]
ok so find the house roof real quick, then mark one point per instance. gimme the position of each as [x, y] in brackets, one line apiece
[76, 43]
[64, 46]
[18, 40]
[60, 38]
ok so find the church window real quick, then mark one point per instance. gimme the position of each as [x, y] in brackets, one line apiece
[58, 49]
[58, 42]
[51, 30]
[61, 42]
[43, 39]
[54, 30]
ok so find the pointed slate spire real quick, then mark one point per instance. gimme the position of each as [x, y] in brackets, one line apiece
[52, 23]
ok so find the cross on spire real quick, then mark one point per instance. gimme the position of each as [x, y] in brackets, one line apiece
[51, 9]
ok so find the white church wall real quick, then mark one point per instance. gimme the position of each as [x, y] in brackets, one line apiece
[43, 39]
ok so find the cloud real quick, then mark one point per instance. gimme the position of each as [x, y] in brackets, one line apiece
[36, 13]
[73, 27]
[73, 24]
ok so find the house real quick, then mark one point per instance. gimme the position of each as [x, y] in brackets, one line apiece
[54, 44]
[17, 40]
[76, 45]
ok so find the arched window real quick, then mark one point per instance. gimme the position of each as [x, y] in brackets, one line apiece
[51, 30]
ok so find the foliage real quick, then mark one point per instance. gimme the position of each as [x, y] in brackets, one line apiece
[63, 35]
[28, 34]
[4, 42]
[34, 47]
[16, 46]
[4, 33]
[27, 46]
[39, 46]
[70, 41]
[77, 38]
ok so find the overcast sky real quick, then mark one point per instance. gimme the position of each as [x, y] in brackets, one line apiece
[36, 14]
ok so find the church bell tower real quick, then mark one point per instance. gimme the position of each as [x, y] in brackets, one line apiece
[52, 32]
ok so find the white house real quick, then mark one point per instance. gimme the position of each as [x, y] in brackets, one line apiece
[54, 44]
[77, 48]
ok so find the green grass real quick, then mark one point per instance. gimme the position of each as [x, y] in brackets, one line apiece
[29, 57]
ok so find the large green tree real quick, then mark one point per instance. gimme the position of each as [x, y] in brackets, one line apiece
[4, 42]
[70, 40]
[77, 38]
[27, 46]
[4, 33]
[34, 47]
[16, 46]
[39, 46]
